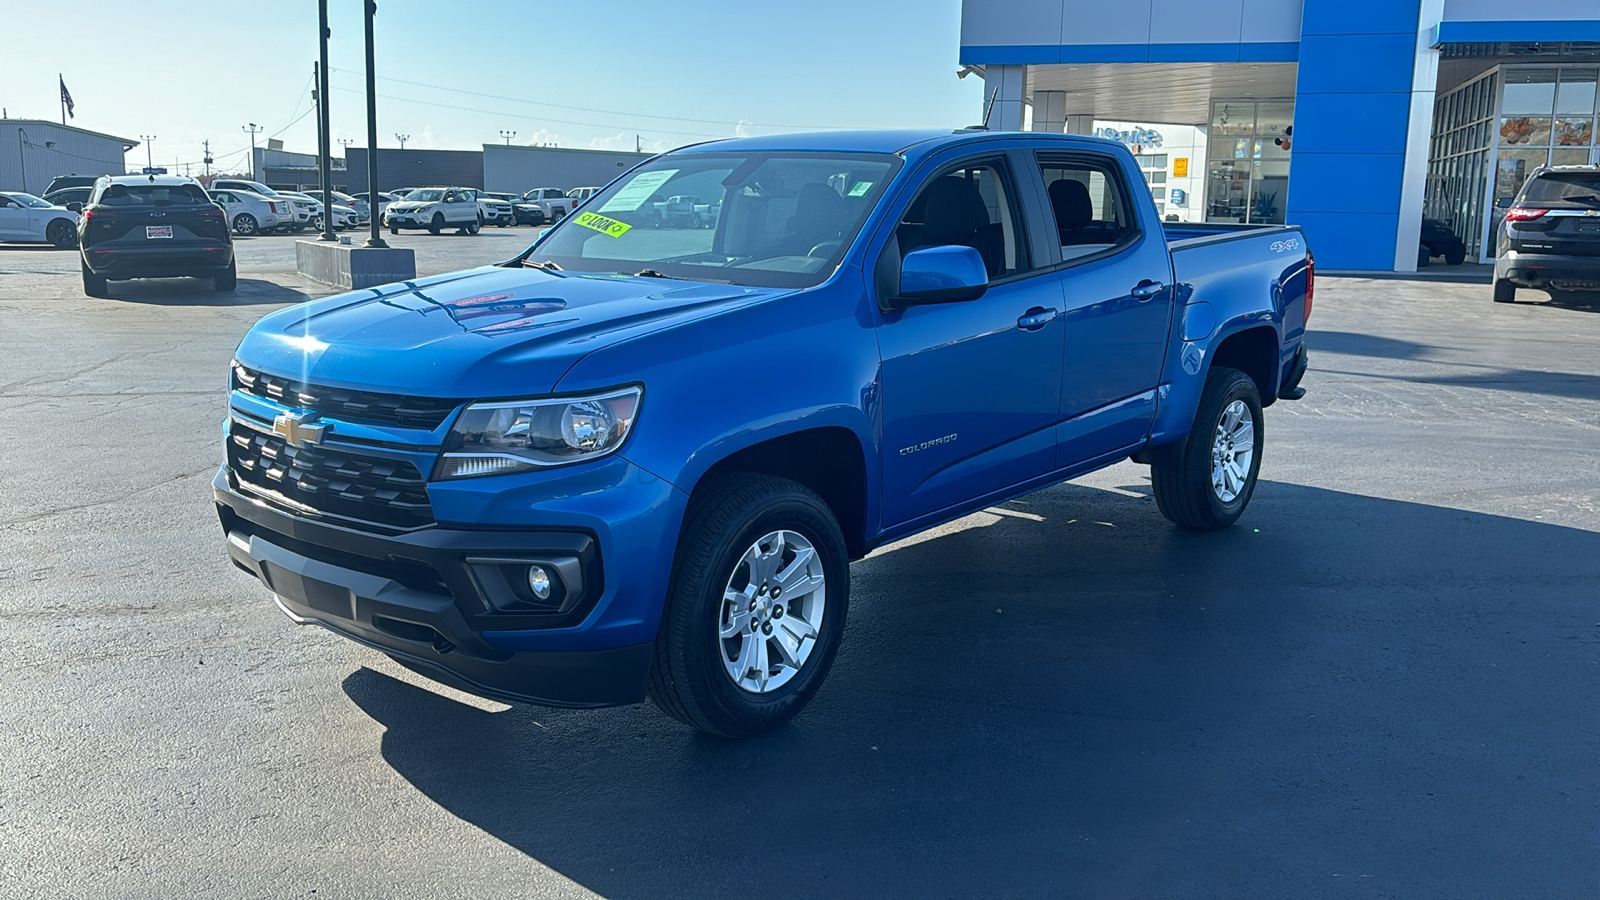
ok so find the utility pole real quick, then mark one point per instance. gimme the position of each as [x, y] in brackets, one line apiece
[207, 145]
[370, 11]
[254, 130]
[508, 135]
[402, 138]
[22, 160]
[324, 164]
[638, 144]
[149, 162]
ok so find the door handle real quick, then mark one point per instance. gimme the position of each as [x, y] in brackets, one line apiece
[1147, 289]
[1036, 318]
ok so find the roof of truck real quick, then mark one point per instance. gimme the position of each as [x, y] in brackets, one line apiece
[872, 141]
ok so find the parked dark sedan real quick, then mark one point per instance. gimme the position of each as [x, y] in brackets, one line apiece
[155, 226]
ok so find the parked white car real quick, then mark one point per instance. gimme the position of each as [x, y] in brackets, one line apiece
[307, 210]
[384, 199]
[25, 218]
[579, 195]
[288, 222]
[435, 208]
[345, 217]
[251, 213]
[495, 209]
[553, 202]
[342, 199]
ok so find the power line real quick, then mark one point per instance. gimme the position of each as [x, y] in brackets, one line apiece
[528, 118]
[609, 112]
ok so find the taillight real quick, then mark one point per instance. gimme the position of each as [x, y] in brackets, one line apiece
[1311, 281]
[1523, 214]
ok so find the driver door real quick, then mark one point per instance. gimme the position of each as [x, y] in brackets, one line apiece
[971, 390]
[13, 220]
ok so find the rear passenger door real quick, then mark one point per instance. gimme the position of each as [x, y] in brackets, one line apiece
[1115, 279]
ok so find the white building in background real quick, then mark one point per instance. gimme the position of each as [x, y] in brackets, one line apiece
[1172, 158]
[33, 151]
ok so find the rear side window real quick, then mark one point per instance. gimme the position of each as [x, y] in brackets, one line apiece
[153, 195]
[1579, 189]
[1089, 204]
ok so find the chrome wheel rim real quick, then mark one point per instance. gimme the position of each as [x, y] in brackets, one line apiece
[772, 611]
[1233, 451]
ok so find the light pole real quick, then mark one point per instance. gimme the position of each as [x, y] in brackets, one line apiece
[508, 135]
[254, 129]
[324, 164]
[370, 10]
[402, 138]
[148, 156]
[22, 160]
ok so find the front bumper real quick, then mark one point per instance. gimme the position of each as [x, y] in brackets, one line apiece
[428, 598]
[1539, 270]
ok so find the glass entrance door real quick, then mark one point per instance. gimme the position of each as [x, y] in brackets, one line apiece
[1247, 170]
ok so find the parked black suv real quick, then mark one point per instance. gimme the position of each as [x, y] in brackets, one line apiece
[1550, 237]
[62, 182]
[153, 226]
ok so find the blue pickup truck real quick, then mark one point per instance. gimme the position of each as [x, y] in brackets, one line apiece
[637, 459]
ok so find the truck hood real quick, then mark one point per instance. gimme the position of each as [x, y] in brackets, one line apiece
[488, 332]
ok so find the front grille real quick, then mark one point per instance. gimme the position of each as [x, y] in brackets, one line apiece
[340, 403]
[330, 480]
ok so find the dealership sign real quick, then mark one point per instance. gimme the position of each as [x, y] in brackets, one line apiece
[1137, 136]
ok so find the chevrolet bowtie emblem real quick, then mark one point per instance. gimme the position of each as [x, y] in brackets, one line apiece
[292, 427]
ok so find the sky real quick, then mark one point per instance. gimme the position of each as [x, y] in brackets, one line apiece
[454, 73]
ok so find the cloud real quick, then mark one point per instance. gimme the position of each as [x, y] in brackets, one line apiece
[542, 136]
[619, 141]
[742, 129]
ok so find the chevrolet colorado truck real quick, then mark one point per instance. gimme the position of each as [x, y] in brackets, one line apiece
[637, 462]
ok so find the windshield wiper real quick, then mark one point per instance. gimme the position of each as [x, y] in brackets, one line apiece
[652, 273]
[547, 264]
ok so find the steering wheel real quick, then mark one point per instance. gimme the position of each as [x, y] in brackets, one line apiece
[823, 250]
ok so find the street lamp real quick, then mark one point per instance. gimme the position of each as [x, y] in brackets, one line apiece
[254, 129]
[402, 138]
[508, 135]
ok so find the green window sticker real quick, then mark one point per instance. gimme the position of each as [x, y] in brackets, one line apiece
[602, 224]
[859, 188]
[636, 192]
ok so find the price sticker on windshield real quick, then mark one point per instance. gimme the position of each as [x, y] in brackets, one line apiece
[602, 224]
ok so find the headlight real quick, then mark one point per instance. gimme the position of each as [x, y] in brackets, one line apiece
[522, 435]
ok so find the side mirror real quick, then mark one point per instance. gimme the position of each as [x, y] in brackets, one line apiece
[75, 206]
[948, 274]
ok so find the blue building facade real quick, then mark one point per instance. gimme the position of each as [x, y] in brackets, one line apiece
[1351, 118]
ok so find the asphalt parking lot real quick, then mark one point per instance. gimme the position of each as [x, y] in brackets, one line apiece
[1382, 683]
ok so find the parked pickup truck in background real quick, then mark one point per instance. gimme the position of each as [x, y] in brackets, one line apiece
[553, 203]
[638, 461]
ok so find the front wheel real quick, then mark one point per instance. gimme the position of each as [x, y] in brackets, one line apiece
[472, 228]
[756, 607]
[436, 223]
[1209, 482]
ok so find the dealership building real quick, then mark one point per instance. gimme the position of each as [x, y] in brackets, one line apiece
[1351, 118]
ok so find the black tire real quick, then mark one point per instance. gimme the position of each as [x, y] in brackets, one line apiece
[227, 280]
[1182, 483]
[436, 223]
[61, 234]
[1504, 291]
[1422, 256]
[1456, 257]
[688, 680]
[245, 224]
[472, 228]
[94, 285]
[394, 229]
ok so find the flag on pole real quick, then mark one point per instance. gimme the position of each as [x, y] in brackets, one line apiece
[66, 97]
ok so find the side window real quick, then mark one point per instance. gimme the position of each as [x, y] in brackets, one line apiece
[1089, 204]
[970, 205]
[5, 203]
[449, 196]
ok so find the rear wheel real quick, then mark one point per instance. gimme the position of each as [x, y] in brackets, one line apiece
[436, 223]
[246, 224]
[1456, 256]
[1210, 481]
[93, 285]
[1504, 291]
[756, 607]
[61, 234]
[472, 228]
[227, 280]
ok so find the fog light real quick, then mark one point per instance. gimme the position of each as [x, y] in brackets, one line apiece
[539, 582]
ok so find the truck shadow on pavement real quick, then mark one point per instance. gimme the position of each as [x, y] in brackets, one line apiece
[198, 292]
[1071, 697]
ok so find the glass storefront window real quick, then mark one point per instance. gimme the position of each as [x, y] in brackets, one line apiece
[1228, 119]
[1529, 92]
[1576, 93]
[1227, 193]
[1561, 157]
[1524, 130]
[1512, 168]
[1273, 119]
[1573, 132]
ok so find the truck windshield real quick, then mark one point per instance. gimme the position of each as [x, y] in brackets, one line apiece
[780, 219]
